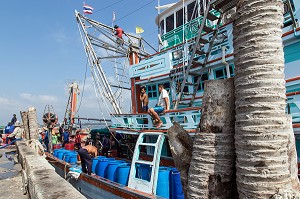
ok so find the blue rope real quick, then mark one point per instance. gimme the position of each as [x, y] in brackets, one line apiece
[4, 146]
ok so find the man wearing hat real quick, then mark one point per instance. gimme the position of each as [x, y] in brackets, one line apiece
[16, 134]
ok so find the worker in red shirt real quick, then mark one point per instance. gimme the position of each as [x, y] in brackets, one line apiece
[119, 33]
[78, 139]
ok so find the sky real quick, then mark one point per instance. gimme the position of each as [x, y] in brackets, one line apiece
[41, 51]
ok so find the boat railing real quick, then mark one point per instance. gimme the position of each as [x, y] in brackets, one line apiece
[188, 118]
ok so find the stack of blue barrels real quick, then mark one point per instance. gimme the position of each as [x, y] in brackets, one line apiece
[114, 170]
[168, 182]
[66, 155]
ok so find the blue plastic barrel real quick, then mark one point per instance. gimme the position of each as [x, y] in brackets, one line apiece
[163, 183]
[67, 157]
[94, 164]
[111, 169]
[55, 152]
[143, 172]
[60, 154]
[72, 159]
[175, 185]
[122, 174]
[101, 166]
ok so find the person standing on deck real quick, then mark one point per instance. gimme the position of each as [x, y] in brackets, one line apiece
[144, 99]
[17, 134]
[119, 33]
[13, 119]
[65, 137]
[86, 159]
[105, 146]
[78, 139]
[162, 106]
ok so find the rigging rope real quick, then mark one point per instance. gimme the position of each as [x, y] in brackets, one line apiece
[83, 87]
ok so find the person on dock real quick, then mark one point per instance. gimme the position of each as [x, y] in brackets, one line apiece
[119, 34]
[144, 99]
[105, 146]
[66, 136]
[14, 119]
[17, 134]
[7, 128]
[85, 157]
[162, 106]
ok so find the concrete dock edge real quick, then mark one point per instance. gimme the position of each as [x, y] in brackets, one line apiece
[41, 179]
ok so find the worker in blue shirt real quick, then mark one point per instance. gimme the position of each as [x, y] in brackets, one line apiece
[46, 137]
[65, 137]
[7, 128]
[12, 128]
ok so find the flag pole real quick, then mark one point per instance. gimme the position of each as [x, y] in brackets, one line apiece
[83, 8]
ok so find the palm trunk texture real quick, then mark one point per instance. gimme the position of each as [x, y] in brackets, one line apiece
[262, 129]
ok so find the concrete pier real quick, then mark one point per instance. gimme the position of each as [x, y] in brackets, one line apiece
[40, 177]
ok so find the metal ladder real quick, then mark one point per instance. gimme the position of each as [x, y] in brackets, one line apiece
[291, 12]
[141, 184]
[218, 5]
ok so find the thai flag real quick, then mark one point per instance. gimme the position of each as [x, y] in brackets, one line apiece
[87, 9]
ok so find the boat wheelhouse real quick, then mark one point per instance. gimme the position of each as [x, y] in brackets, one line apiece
[195, 45]
[183, 67]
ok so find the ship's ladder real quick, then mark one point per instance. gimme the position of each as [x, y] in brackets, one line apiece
[154, 141]
[290, 9]
[210, 16]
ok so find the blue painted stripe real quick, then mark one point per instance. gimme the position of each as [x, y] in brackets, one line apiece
[292, 52]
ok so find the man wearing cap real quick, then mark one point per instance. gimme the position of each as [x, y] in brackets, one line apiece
[16, 134]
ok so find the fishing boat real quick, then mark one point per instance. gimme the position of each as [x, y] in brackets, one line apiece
[196, 44]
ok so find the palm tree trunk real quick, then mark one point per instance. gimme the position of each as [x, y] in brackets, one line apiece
[211, 173]
[262, 128]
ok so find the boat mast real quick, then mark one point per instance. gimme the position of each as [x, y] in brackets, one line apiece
[98, 73]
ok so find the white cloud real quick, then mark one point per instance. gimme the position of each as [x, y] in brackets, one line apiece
[39, 98]
[5, 101]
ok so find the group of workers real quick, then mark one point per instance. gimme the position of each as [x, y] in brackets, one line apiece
[161, 107]
[14, 130]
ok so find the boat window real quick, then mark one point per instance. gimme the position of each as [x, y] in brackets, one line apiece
[179, 18]
[152, 91]
[162, 27]
[178, 84]
[170, 23]
[203, 78]
[191, 12]
[221, 73]
[292, 108]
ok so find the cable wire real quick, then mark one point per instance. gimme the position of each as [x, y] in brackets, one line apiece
[135, 10]
[108, 6]
[86, 66]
